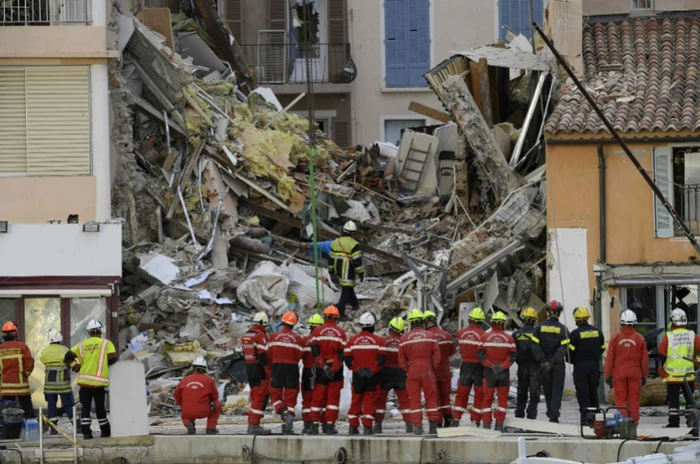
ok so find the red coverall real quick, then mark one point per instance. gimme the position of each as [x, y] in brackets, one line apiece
[497, 347]
[284, 351]
[392, 375]
[307, 380]
[194, 395]
[471, 373]
[419, 354]
[627, 362]
[362, 355]
[327, 345]
[443, 375]
[258, 369]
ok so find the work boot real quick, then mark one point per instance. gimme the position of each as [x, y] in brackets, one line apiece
[418, 430]
[212, 431]
[448, 420]
[498, 427]
[486, 426]
[378, 427]
[288, 427]
[305, 429]
[409, 427]
[432, 428]
[258, 430]
[324, 428]
[53, 430]
[671, 426]
[476, 424]
[554, 420]
[313, 429]
[331, 429]
[190, 428]
[353, 430]
[454, 423]
[367, 430]
[520, 414]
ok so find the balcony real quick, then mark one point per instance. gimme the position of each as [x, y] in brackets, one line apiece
[689, 208]
[285, 63]
[45, 12]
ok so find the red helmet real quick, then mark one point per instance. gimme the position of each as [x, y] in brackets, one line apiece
[9, 327]
[555, 307]
[331, 311]
[289, 318]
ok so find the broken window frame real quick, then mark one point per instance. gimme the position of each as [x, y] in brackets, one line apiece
[664, 304]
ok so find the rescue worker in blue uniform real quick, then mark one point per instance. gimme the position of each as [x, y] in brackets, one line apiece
[553, 339]
[529, 357]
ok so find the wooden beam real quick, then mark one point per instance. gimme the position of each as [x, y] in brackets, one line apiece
[149, 110]
[429, 112]
[475, 88]
[486, 107]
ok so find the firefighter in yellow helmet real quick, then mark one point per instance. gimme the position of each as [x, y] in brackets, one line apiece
[347, 265]
[529, 357]
[586, 345]
[57, 380]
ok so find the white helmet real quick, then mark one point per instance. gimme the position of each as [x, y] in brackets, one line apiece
[94, 326]
[260, 319]
[55, 336]
[367, 320]
[200, 362]
[628, 317]
[350, 227]
[678, 317]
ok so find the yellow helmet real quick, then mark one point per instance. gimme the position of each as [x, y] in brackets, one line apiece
[581, 314]
[477, 315]
[397, 324]
[429, 315]
[529, 313]
[415, 315]
[499, 318]
[315, 320]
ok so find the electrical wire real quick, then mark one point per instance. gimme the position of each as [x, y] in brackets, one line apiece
[619, 449]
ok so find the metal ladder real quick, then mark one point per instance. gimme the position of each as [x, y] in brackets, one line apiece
[410, 178]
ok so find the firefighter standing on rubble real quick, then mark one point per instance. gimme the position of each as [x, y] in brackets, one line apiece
[419, 355]
[284, 351]
[364, 354]
[307, 375]
[393, 377]
[347, 264]
[16, 365]
[443, 375]
[678, 350]
[553, 338]
[627, 365]
[528, 355]
[497, 353]
[586, 346]
[327, 345]
[198, 397]
[258, 370]
[471, 372]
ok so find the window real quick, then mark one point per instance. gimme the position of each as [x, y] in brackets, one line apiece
[394, 127]
[407, 42]
[40, 316]
[45, 121]
[82, 310]
[514, 15]
[686, 185]
[7, 310]
[642, 5]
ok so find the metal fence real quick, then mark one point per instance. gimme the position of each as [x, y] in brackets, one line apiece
[286, 63]
[44, 12]
[690, 206]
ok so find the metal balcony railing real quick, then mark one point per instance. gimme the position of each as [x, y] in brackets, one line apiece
[44, 12]
[286, 64]
[690, 206]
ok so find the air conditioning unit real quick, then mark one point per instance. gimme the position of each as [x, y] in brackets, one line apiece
[272, 56]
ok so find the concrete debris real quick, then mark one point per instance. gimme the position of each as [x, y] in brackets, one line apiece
[213, 179]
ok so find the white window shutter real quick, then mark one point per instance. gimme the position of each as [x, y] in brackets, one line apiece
[13, 131]
[663, 178]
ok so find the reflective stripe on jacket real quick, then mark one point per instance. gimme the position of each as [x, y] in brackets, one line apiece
[57, 376]
[92, 355]
[329, 340]
[447, 349]
[469, 339]
[680, 351]
[285, 347]
[347, 260]
[16, 364]
[497, 347]
[391, 347]
[418, 349]
[364, 349]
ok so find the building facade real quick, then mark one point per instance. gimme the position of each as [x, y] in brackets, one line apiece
[60, 262]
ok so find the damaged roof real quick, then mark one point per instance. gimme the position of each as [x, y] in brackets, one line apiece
[644, 75]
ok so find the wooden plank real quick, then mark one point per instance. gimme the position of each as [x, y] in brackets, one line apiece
[450, 432]
[149, 110]
[186, 175]
[486, 106]
[262, 191]
[475, 88]
[158, 19]
[543, 426]
[429, 112]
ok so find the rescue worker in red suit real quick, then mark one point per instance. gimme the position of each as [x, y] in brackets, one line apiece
[419, 355]
[258, 370]
[364, 355]
[327, 345]
[627, 365]
[678, 352]
[307, 375]
[199, 399]
[471, 372]
[497, 354]
[393, 377]
[16, 365]
[284, 351]
[443, 374]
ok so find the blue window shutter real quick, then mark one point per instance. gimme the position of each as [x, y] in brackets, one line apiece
[396, 43]
[419, 41]
[516, 15]
[537, 12]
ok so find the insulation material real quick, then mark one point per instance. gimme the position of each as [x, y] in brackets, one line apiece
[302, 283]
[265, 289]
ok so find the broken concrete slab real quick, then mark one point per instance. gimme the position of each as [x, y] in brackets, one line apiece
[158, 269]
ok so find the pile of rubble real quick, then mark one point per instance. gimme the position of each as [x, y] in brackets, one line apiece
[213, 181]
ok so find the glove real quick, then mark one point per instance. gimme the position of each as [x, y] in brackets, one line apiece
[497, 369]
[76, 368]
[362, 277]
[608, 381]
[329, 373]
[546, 366]
[365, 372]
[644, 382]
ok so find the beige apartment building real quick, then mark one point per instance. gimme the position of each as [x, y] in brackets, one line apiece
[59, 261]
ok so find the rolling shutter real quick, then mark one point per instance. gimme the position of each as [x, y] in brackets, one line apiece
[13, 131]
[277, 14]
[516, 15]
[234, 19]
[58, 120]
[663, 178]
[395, 26]
[418, 42]
[341, 133]
[337, 39]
